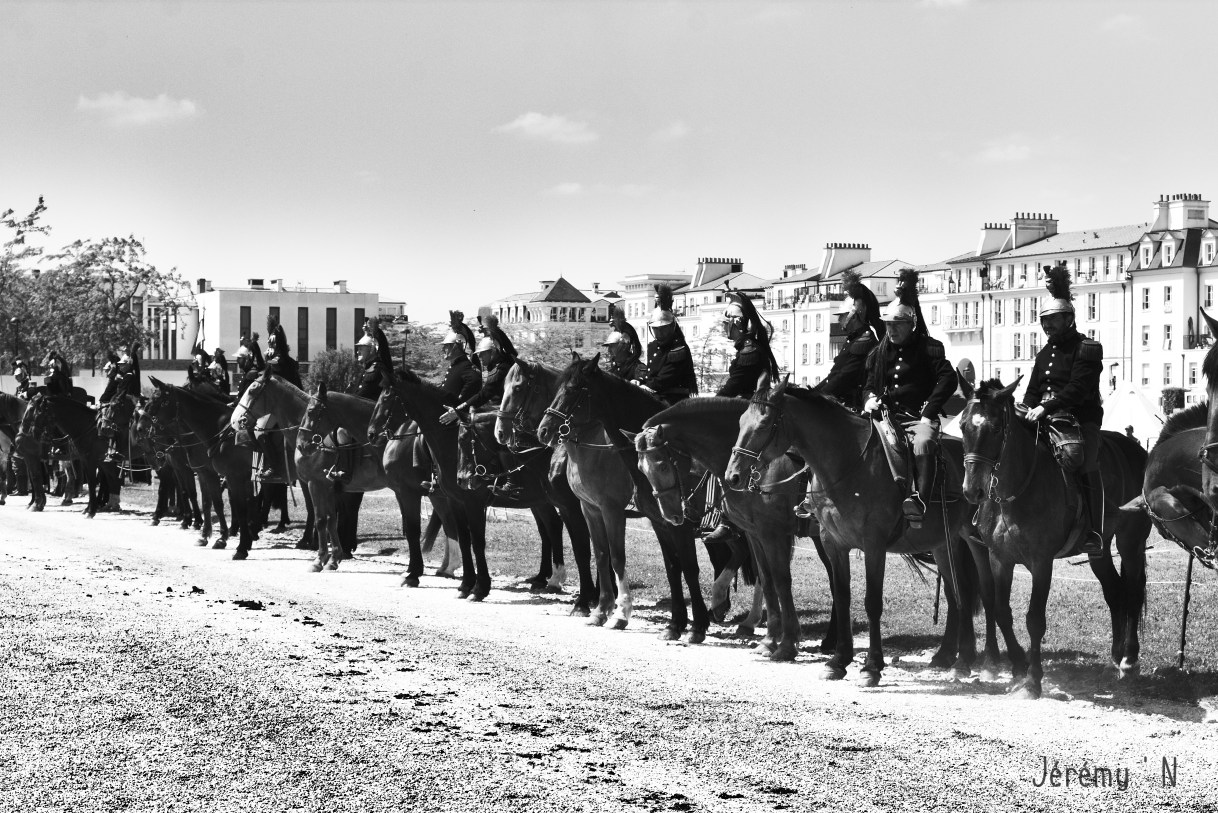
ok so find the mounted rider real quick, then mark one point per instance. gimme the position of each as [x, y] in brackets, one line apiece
[21, 373]
[117, 403]
[250, 363]
[462, 380]
[218, 370]
[496, 354]
[670, 364]
[622, 346]
[275, 468]
[909, 375]
[369, 386]
[1064, 389]
[754, 356]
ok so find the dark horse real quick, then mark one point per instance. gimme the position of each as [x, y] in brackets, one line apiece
[12, 409]
[859, 507]
[701, 430]
[213, 452]
[589, 412]
[174, 477]
[1029, 515]
[60, 419]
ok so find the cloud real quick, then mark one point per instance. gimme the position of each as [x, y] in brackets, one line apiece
[558, 129]
[565, 189]
[1121, 22]
[1006, 150]
[673, 132]
[573, 188]
[122, 110]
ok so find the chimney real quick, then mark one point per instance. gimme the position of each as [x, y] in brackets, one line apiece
[1028, 227]
[202, 281]
[255, 283]
[340, 286]
[1187, 212]
[993, 238]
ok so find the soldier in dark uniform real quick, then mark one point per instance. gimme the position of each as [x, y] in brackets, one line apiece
[622, 346]
[861, 322]
[200, 363]
[218, 370]
[22, 374]
[462, 379]
[670, 365]
[910, 375]
[1066, 378]
[369, 386]
[279, 354]
[280, 362]
[59, 374]
[249, 363]
[118, 402]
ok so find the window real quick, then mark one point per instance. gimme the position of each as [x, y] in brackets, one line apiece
[955, 314]
[820, 324]
[1120, 264]
[803, 381]
[331, 328]
[998, 373]
[1145, 375]
[1017, 350]
[1209, 252]
[1146, 299]
[1145, 336]
[1091, 267]
[1209, 296]
[1091, 334]
[998, 311]
[1167, 374]
[1107, 265]
[819, 354]
[1167, 337]
[1093, 307]
[359, 324]
[695, 332]
[804, 323]
[1167, 299]
[1023, 276]
[977, 313]
[1145, 256]
[274, 311]
[245, 319]
[1034, 343]
[1192, 373]
[934, 314]
[1018, 307]
[804, 353]
[1032, 309]
[784, 325]
[302, 334]
[1168, 252]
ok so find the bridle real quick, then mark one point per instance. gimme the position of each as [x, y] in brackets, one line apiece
[755, 472]
[995, 463]
[392, 402]
[566, 430]
[516, 418]
[670, 452]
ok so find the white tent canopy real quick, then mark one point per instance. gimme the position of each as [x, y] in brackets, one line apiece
[1129, 406]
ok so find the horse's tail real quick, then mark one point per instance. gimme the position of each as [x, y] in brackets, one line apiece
[748, 569]
[919, 564]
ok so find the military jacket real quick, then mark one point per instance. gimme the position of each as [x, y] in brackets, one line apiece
[745, 369]
[370, 383]
[58, 383]
[463, 380]
[670, 371]
[492, 386]
[127, 383]
[286, 368]
[848, 375]
[624, 361]
[1066, 376]
[111, 388]
[915, 379]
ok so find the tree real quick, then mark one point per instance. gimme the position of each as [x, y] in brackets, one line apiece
[339, 369]
[17, 272]
[552, 342]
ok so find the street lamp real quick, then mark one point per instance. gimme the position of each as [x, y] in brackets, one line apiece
[16, 323]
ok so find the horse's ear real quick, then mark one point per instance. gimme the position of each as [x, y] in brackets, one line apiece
[763, 381]
[782, 386]
[596, 360]
[158, 383]
[1211, 322]
[1010, 388]
[575, 357]
[966, 389]
[630, 436]
[266, 374]
[321, 389]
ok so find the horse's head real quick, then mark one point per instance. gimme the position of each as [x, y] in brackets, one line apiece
[572, 404]
[34, 423]
[763, 436]
[316, 423]
[386, 412]
[252, 405]
[162, 407]
[1209, 467]
[469, 471]
[666, 468]
[986, 425]
[522, 406]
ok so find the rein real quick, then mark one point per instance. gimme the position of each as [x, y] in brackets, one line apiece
[996, 463]
[565, 429]
[754, 484]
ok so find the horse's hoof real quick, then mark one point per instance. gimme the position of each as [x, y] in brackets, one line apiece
[988, 674]
[580, 610]
[669, 634]
[942, 661]
[316, 566]
[596, 620]
[219, 544]
[695, 637]
[832, 673]
[476, 596]
[1024, 690]
[620, 623]
[240, 555]
[446, 574]
[66, 501]
[744, 631]
[961, 672]
[767, 645]
[155, 521]
[1128, 669]
[784, 652]
[869, 678]
[410, 581]
[201, 542]
[463, 593]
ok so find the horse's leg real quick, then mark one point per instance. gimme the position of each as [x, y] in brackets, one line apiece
[241, 499]
[349, 503]
[91, 507]
[581, 548]
[980, 558]
[465, 539]
[1003, 574]
[434, 525]
[875, 558]
[477, 521]
[558, 562]
[594, 517]
[776, 579]
[1042, 579]
[948, 650]
[1132, 531]
[67, 471]
[410, 503]
[325, 521]
[615, 528]
[828, 644]
[839, 581]
[678, 618]
[687, 560]
[549, 529]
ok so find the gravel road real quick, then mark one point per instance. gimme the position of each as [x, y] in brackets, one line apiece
[142, 673]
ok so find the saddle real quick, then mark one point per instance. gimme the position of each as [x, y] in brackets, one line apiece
[948, 483]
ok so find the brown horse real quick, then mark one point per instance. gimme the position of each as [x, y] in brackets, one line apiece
[701, 430]
[589, 411]
[12, 409]
[51, 419]
[859, 507]
[1029, 515]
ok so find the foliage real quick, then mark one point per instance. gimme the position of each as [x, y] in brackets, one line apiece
[419, 346]
[712, 354]
[552, 342]
[339, 369]
[86, 299]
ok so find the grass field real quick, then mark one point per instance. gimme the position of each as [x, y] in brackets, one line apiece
[1075, 647]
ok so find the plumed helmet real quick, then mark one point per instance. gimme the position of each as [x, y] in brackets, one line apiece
[486, 343]
[662, 315]
[1057, 280]
[489, 326]
[243, 351]
[275, 334]
[614, 337]
[366, 340]
[905, 307]
[453, 337]
[456, 321]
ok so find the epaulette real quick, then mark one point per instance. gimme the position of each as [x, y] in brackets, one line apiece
[1091, 350]
[676, 351]
[863, 345]
[935, 349]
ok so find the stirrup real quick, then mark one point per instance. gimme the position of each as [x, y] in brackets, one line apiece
[914, 510]
[1091, 544]
[335, 475]
[804, 510]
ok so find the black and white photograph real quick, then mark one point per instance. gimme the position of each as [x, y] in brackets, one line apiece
[608, 405]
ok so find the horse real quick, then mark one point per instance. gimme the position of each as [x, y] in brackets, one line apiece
[701, 430]
[587, 415]
[76, 424]
[12, 409]
[1029, 514]
[528, 388]
[167, 457]
[212, 452]
[859, 507]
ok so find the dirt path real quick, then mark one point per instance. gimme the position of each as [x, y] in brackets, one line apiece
[139, 672]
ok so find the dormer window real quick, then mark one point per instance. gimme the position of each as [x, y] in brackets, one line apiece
[1145, 256]
[1209, 252]
[1169, 250]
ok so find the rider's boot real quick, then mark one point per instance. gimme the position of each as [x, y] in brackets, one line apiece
[723, 533]
[1092, 493]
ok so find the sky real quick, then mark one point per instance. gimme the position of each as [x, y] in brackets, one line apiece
[452, 153]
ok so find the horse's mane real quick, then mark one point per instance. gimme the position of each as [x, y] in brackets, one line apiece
[411, 377]
[989, 389]
[621, 394]
[1193, 417]
[1209, 366]
[693, 406]
[815, 397]
[204, 397]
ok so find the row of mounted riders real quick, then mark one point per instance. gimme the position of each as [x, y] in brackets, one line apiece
[583, 447]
